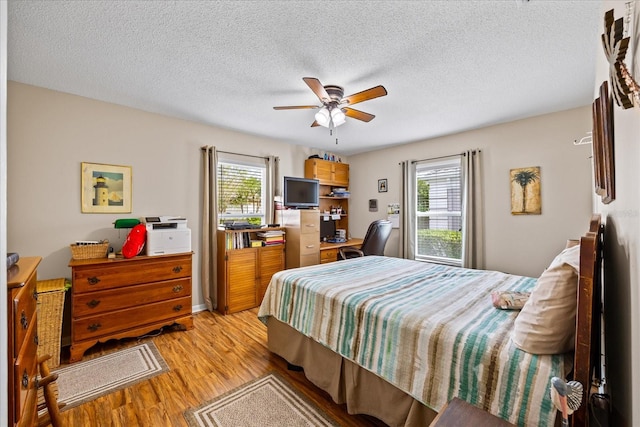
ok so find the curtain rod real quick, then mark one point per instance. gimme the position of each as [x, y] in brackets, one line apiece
[237, 154]
[445, 157]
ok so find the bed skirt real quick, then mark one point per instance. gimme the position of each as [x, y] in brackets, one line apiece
[347, 383]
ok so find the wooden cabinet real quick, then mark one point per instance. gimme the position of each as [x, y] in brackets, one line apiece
[332, 176]
[303, 236]
[22, 341]
[327, 172]
[119, 298]
[245, 272]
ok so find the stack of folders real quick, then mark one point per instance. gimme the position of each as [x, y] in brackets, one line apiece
[271, 237]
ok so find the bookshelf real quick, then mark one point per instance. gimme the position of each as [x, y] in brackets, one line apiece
[246, 261]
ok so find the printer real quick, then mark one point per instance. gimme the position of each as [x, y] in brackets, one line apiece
[167, 235]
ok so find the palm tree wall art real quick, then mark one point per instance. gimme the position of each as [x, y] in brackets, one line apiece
[525, 191]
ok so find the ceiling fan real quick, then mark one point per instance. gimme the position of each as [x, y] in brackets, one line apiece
[335, 106]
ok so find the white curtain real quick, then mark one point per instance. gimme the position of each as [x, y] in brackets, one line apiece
[208, 256]
[407, 239]
[472, 211]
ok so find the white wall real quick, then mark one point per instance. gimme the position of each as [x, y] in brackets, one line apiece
[4, 363]
[50, 133]
[622, 242]
[519, 244]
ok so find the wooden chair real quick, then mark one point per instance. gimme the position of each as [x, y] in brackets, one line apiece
[49, 391]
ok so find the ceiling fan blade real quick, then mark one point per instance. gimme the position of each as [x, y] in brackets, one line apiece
[314, 124]
[317, 88]
[357, 114]
[295, 107]
[365, 95]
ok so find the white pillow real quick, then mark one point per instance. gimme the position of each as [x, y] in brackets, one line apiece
[547, 322]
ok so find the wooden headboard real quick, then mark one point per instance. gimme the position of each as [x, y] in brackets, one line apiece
[587, 351]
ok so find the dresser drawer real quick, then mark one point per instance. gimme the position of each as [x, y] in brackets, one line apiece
[116, 321]
[25, 370]
[309, 244]
[310, 223]
[24, 309]
[310, 259]
[328, 255]
[113, 275]
[92, 303]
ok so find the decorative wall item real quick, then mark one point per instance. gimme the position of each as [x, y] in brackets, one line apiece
[525, 191]
[373, 205]
[382, 185]
[105, 188]
[623, 86]
[603, 157]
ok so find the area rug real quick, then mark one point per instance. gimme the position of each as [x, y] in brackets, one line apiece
[266, 401]
[84, 381]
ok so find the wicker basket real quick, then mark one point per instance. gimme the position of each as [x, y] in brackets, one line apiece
[94, 250]
[49, 311]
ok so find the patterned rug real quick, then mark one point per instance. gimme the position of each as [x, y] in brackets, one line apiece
[266, 401]
[84, 381]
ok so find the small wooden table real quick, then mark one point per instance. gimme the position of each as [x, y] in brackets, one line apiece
[458, 413]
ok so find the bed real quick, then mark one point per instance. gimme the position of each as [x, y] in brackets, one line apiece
[397, 339]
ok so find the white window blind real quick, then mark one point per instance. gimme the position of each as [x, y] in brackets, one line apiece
[242, 189]
[439, 211]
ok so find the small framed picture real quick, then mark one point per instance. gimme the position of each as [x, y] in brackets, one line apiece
[382, 185]
[105, 188]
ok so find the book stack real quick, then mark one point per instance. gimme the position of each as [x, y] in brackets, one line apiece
[272, 237]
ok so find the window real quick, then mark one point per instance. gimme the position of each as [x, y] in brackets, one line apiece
[242, 189]
[439, 211]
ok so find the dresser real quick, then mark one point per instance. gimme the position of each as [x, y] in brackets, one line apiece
[22, 341]
[303, 236]
[120, 298]
[244, 271]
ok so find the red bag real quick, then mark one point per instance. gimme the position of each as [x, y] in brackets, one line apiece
[135, 241]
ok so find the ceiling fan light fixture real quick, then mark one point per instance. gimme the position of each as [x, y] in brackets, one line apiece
[323, 117]
[338, 116]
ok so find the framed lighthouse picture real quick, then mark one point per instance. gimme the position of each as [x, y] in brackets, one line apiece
[105, 188]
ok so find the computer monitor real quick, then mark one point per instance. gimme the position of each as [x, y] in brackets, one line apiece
[327, 228]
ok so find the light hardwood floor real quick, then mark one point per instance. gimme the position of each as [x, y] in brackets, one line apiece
[218, 355]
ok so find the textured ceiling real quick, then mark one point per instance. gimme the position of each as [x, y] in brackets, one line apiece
[448, 66]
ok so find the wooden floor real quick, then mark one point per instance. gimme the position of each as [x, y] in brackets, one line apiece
[218, 355]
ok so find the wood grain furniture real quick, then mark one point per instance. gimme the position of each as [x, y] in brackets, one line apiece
[331, 175]
[329, 251]
[120, 298]
[459, 413]
[329, 364]
[50, 416]
[244, 273]
[303, 237]
[22, 341]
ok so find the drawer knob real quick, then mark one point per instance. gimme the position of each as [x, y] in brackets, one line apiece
[177, 288]
[25, 379]
[177, 269]
[23, 320]
[35, 294]
[93, 303]
[310, 246]
[94, 327]
[93, 280]
[36, 340]
[177, 307]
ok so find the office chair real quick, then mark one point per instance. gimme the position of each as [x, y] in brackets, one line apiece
[373, 243]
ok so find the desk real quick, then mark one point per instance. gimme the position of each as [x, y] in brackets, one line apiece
[329, 251]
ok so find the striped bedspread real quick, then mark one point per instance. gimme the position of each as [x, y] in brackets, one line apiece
[428, 329]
